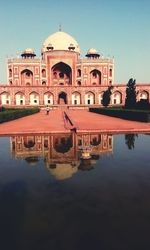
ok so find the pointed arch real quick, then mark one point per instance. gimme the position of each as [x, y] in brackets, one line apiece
[4, 92]
[28, 72]
[43, 73]
[63, 144]
[5, 98]
[48, 98]
[62, 98]
[89, 98]
[144, 95]
[19, 93]
[76, 98]
[79, 73]
[110, 72]
[95, 140]
[10, 72]
[95, 77]
[20, 98]
[116, 98]
[100, 97]
[79, 83]
[29, 142]
[34, 98]
[26, 77]
[44, 83]
[61, 74]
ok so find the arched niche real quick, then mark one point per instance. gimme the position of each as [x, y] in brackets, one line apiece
[101, 97]
[43, 73]
[143, 95]
[63, 144]
[79, 73]
[20, 98]
[95, 140]
[89, 98]
[5, 98]
[48, 98]
[61, 74]
[95, 77]
[116, 98]
[34, 98]
[27, 77]
[62, 98]
[76, 98]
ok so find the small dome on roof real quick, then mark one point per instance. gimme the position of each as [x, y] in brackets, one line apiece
[92, 51]
[49, 47]
[28, 52]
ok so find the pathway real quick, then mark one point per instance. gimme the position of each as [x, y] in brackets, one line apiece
[87, 121]
[37, 123]
[83, 120]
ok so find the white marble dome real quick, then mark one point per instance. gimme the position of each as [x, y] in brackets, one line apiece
[61, 41]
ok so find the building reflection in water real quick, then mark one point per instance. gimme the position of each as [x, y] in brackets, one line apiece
[63, 154]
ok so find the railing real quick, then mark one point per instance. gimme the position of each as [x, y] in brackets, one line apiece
[100, 60]
[68, 122]
[20, 60]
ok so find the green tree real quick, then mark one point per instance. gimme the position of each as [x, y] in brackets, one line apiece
[106, 96]
[130, 101]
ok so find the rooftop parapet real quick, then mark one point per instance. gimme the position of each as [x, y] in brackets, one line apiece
[22, 60]
[97, 60]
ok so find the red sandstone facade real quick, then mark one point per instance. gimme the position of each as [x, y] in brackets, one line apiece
[61, 77]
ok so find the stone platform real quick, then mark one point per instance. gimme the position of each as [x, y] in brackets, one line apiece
[81, 120]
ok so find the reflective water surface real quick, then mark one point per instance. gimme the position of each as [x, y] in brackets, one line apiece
[75, 191]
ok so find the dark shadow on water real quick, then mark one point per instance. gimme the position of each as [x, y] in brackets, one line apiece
[12, 213]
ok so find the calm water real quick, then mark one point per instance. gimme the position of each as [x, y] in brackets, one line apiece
[70, 192]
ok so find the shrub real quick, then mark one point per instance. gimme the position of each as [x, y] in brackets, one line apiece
[2, 108]
[134, 115]
[143, 104]
[12, 114]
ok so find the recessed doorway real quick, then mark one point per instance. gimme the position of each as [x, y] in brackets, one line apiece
[62, 98]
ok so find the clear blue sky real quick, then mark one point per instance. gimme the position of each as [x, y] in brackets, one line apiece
[119, 28]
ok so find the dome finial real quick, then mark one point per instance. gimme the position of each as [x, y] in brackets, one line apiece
[60, 27]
